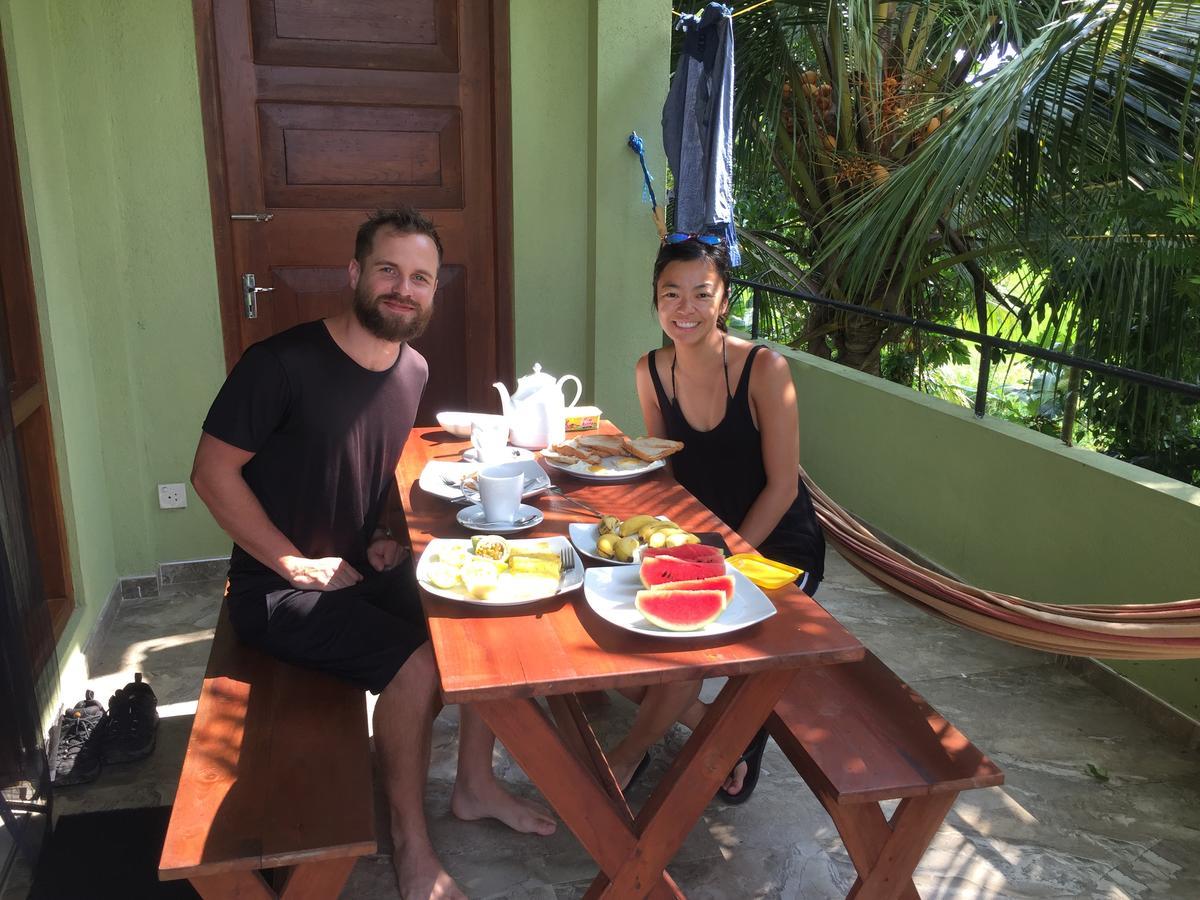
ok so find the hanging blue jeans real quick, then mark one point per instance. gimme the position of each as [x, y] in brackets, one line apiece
[698, 126]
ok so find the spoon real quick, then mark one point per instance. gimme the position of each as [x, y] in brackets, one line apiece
[515, 523]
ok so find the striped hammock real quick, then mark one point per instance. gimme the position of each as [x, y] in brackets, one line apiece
[1129, 631]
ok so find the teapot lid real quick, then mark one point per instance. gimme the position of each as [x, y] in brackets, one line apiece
[528, 384]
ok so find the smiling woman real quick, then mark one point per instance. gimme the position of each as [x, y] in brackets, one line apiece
[690, 290]
[740, 462]
[732, 404]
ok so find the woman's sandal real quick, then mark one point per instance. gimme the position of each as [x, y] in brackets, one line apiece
[752, 757]
[637, 773]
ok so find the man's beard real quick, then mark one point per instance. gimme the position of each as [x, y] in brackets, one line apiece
[395, 328]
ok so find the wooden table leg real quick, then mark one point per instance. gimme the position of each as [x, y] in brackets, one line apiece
[244, 884]
[888, 873]
[568, 784]
[679, 799]
[577, 732]
[319, 880]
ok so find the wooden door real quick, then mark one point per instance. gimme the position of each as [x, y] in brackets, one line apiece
[21, 356]
[321, 111]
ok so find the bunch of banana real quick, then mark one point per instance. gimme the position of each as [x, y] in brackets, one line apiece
[620, 540]
[610, 525]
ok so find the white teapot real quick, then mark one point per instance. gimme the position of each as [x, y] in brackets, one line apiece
[536, 411]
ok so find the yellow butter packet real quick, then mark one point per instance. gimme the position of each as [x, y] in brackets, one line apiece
[582, 418]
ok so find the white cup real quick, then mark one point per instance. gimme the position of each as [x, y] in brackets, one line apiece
[500, 490]
[490, 440]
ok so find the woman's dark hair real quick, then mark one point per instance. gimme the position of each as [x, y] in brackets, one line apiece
[687, 251]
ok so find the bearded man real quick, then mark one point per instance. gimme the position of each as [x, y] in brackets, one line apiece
[297, 463]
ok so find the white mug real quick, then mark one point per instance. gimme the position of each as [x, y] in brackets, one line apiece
[490, 441]
[500, 490]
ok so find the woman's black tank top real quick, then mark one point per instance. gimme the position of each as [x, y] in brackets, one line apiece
[724, 469]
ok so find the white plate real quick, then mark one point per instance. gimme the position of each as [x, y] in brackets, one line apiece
[459, 423]
[471, 455]
[607, 469]
[536, 479]
[585, 536]
[569, 581]
[609, 591]
[472, 517]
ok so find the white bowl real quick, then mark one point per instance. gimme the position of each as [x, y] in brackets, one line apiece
[459, 423]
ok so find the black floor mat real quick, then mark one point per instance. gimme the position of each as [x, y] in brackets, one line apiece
[107, 854]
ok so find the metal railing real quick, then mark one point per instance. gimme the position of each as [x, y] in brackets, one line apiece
[985, 341]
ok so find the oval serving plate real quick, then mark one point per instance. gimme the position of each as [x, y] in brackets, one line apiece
[607, 469]
[610, 591]
[568, 582]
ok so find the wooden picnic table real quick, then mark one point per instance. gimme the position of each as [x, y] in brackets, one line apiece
[501, 659]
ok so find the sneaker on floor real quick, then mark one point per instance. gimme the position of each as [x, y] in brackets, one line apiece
[76, 752]
[132, 722]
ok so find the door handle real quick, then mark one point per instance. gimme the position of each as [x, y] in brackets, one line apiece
[252, 217]
[250, 294]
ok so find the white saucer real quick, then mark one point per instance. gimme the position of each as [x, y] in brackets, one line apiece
[518, 453]
[472, 517]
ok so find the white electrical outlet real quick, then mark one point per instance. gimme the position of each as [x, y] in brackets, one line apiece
[172, 496]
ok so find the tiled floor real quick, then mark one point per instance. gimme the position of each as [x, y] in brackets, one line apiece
[1052, 831]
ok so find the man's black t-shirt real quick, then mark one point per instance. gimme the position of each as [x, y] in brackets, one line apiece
[327, 436]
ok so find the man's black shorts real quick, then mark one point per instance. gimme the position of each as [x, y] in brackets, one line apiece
[362, 634]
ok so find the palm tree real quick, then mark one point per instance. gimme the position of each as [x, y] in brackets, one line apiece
[887, 151]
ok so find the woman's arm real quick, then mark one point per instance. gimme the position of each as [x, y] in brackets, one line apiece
[773, 399]
[651, 415]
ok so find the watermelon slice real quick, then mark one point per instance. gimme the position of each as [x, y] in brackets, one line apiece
[690, 552]
[658, 570]
[680, 610]
[722, 583]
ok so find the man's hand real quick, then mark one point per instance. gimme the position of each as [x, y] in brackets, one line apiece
[328, 574]
[385, 553]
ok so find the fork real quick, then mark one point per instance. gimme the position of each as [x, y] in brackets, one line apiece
[451, 481]
[567, 560]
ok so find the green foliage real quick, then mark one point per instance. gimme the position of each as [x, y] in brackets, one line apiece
[1033, 163]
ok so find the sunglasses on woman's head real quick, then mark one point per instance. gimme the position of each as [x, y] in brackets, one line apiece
[678, 237]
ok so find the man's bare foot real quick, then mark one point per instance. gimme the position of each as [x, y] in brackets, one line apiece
[420, 875]
[492, 800]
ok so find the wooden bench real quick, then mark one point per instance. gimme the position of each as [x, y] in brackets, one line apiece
[859, 735]
[275, 797]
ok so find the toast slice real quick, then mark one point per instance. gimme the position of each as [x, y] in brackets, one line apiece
[652, 448]
[577, 453]
[603, 444]
[559, 459]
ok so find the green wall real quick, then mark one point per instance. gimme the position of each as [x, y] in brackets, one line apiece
[109, 137]
[584, 76]
[1004, 507]
[551, 159]
[116, 201]
[67, 347]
